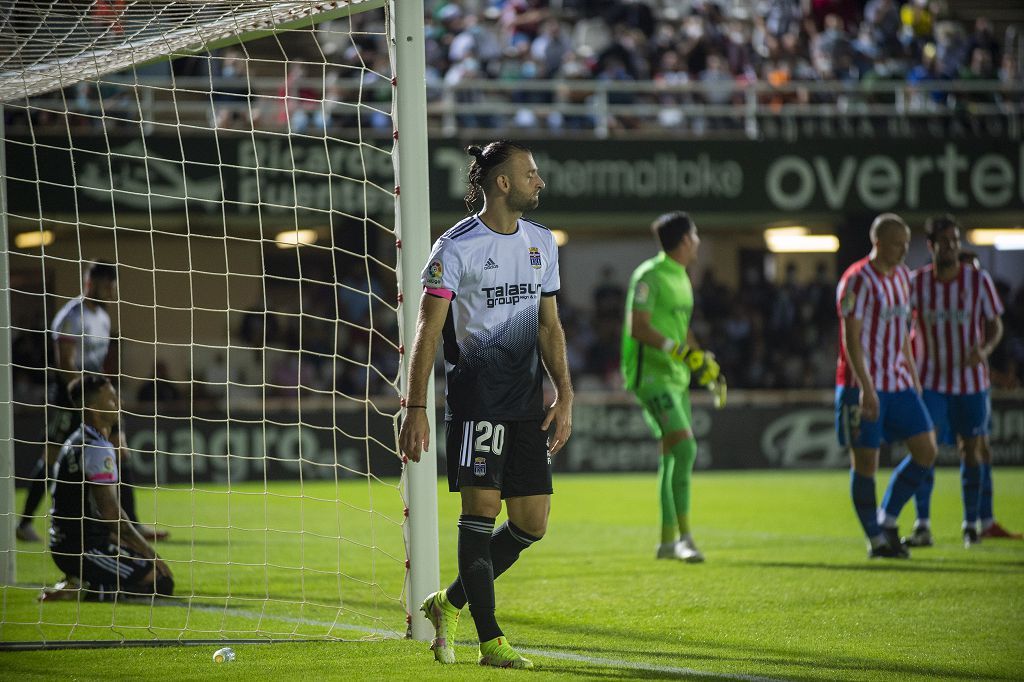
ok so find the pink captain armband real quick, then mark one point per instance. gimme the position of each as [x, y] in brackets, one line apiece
[440, 293]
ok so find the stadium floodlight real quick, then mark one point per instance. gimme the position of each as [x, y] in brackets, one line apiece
[796, 239]
[1003, 239]
[33, 239]
[561, 237]
[290, 239]
[277, 471]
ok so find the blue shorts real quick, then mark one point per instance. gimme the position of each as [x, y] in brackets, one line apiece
[967, 416]
[901, 414]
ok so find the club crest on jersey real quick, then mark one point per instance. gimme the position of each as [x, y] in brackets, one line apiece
[847, 302]
[642, 293]
[108, 464]
[479, 466]
[434, 273]
[535, 257]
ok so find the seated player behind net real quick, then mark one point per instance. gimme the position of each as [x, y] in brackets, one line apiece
[92, 540]
[81, 343]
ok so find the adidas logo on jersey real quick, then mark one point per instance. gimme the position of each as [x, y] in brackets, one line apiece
[490, 264]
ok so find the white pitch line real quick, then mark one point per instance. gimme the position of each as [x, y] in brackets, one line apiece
[638, 665]
[579, 658]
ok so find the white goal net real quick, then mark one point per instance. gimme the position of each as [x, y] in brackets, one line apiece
[235, 163]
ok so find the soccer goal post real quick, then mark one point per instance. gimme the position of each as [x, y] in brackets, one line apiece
[256, 173]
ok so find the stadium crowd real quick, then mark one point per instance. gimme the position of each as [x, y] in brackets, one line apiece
[778, 42]
[719, 46]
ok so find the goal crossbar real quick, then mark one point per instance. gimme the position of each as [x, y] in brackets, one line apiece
[143, 40]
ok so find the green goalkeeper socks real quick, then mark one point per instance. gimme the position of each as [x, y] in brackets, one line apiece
[666, 467]
[674, 471]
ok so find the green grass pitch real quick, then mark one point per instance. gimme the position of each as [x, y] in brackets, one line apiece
[786, 592]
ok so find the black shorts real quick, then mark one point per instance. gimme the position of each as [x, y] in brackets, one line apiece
[62, 418]
[509, 456]
[106, 569]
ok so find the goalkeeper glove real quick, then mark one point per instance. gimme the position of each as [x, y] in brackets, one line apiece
[702, 365]
[708, 373]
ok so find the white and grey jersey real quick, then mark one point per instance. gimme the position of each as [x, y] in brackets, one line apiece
[88, 328]
[495, 283]
[86, 457]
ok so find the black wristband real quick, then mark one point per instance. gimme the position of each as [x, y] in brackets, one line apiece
[413, 407]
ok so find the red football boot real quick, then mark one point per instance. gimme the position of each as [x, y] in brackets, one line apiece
[997, 531]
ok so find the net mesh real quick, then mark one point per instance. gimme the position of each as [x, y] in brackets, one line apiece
[235, 161]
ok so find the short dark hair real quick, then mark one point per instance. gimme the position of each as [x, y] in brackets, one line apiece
[102, 270]
[486, 159]
[969, 257]
[84, 388]
[939, 223]
[670, 228]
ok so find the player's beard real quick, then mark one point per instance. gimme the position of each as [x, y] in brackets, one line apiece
[947, 260]
[522, 201]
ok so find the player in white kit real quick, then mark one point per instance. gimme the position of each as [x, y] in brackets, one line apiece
[80, 332]
[489, 290]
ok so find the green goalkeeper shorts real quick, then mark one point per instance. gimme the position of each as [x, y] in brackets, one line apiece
[666, 408]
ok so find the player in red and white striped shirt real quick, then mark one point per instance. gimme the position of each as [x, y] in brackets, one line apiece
[877, 391]
[957, 326]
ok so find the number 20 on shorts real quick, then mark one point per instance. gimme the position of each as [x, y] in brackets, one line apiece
[489, 437]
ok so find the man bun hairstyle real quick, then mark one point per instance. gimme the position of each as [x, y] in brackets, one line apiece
[940, 223]
[485, 160]
[670, 228]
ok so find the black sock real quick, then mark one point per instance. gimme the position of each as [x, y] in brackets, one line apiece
[36, 490]
[477, 573]
[127, 490]
[506, 545]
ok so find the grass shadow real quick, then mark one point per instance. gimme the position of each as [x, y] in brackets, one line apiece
[767, 655]
[883, 566]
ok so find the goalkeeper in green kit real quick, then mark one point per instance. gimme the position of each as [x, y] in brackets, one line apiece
[659, 357]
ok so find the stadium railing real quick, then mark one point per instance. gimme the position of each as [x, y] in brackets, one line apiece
[587, 108]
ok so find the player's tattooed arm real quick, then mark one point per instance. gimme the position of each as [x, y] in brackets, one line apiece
[414, 437]
[552, 352]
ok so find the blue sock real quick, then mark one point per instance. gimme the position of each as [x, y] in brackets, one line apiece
[862, 490]
[985, 500]
[923, 496]
[906, 479]
[970, 481]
